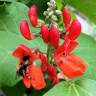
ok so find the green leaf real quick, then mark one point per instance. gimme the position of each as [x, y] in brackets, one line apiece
[11, 16]
[87, 51]
[87, 7]
[79, 88]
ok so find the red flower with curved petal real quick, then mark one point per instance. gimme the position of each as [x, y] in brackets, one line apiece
[72, 66]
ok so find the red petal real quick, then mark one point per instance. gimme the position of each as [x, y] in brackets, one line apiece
[32, 10]
[26, 82]
[75, 30]
[35, 54]
[59, 51]
[69, 45]
[66, 16]
[25, 31]
[72, 45]
[45, 33]
[54, 36]
[37, 78]
[65, 48]
[21, 51]
[72, 66]
[44, 62]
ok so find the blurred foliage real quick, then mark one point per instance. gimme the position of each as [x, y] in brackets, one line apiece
[17, 90]
[88, 7]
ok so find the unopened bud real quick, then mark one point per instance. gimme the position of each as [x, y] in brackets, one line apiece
[50, 13]
[45, 13]
[54, 17]
[58, 12]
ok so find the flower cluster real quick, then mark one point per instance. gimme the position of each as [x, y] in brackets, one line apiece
[61, 57]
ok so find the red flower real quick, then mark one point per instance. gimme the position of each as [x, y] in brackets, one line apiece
[33, 15]
[54, 36]
[52, 74]
[71, 65]
[34, 77]
[74, 30]
[45, 33]
[66, 17]
[25, 31]
[31, 75]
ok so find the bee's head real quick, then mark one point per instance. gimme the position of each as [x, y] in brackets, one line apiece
[26, 58]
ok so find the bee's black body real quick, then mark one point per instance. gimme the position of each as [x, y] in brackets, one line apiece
[24, 64]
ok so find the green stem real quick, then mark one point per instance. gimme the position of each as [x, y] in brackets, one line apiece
[48, 55]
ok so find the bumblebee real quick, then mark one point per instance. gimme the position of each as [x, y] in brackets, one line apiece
[23, 66]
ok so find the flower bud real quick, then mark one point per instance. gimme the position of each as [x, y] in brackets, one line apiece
[25, 31]
[44, 62]
[33, 16]
[51, 71]
[74, 30]
[52, 74]
[54, 36]
[45, 33]
[66, 16]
